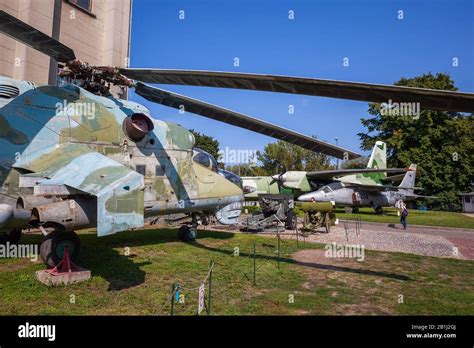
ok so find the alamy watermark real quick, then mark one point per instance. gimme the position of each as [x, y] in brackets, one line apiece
[237, 156]
[27, 251]
[86, 109]
[400, 109]
[351, 251]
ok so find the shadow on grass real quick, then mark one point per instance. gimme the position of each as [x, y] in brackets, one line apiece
[353, 270]
[307, 264]
[119, 270]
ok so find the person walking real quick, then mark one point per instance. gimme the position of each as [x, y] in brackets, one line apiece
[403, 217]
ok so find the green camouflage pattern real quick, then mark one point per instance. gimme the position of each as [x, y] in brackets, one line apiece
[70, 153]
[297, 182]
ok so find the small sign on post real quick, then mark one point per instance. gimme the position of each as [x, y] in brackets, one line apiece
[202, 290]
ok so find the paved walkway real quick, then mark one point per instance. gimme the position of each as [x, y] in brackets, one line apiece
[462, 238]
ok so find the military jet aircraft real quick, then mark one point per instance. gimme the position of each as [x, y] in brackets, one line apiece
[367, 195]
[301, 182]
[72, 156]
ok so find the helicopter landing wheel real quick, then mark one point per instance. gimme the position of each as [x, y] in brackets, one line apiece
[12, 237]
[52, 248]
[291, 220]
[187, 233]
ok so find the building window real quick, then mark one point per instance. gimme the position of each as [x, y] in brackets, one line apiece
[467, 199]
[84, 4]
[140, 169]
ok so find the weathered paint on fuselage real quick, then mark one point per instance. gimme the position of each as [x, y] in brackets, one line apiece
[358, 197]
[37, 138]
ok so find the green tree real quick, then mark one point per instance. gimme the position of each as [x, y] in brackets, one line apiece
[246, 170]
[206, 143]
[281, 156]
[440, 143]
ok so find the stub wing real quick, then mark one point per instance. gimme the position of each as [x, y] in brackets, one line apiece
[119, 190]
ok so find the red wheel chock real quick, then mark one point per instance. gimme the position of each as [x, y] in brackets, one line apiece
[65, 265]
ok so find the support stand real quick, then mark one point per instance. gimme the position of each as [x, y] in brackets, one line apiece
[64, 273]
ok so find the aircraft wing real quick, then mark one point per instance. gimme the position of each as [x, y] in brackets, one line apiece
[414, 195]
[379, 187]
[119, 190]
[331, 174]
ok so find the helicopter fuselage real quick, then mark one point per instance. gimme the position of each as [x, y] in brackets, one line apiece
[61, 143]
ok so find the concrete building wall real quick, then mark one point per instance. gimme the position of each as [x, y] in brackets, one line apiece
[100, 37]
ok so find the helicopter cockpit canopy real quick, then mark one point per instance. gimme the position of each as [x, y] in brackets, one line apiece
[205, 159]
[231, 177]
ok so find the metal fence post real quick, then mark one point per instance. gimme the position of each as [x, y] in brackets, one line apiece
[254, 266]
[173, 291]
[278, 250]
[210, 288]
[297, 241]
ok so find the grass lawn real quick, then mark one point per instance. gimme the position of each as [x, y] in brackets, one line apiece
[141, 282]
[415, 217]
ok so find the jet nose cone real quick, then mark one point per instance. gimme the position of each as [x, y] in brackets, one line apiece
[310, 197]
[307, 197]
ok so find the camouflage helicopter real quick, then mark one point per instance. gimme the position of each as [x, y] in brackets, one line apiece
[73, 156]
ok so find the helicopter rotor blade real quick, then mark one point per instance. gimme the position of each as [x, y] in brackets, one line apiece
[195, 106]
[34, 38]
[377, 93]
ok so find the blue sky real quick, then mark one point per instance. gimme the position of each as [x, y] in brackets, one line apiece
[381, 49]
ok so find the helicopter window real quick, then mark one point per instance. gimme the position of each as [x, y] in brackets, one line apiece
[231, 177]
[140, 169]
[205, 159]
[202, 159]
[215, 167]
[159, 170]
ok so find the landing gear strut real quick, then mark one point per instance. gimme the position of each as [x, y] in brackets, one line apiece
[52, 248]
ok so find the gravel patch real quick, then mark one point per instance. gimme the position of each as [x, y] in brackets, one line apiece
[382, 239]
[396, 240]
[406, 242]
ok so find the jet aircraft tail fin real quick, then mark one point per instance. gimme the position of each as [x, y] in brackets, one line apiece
[378, 158]
[408, 181]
